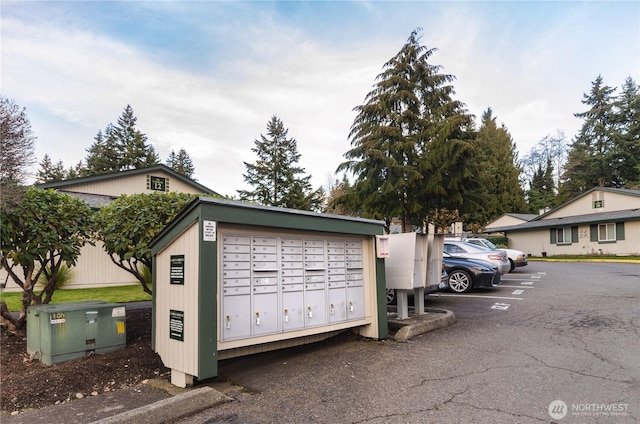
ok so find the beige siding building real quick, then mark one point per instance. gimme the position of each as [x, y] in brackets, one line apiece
[602, 221]
[94, 267]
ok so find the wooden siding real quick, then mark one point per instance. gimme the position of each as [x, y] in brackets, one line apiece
[584, 205]
[182, 355]
[131, 184]
[93, 269]
[536, 242]
[505, 221]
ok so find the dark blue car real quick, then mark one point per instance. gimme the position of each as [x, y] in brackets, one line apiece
[466, 274]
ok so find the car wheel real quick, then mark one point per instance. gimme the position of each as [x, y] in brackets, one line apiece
[460, 281]
[391, 296]
[513, 265]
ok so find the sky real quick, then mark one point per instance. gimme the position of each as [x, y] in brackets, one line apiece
[207, 76]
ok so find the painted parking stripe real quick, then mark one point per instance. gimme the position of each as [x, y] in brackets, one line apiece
[516, 287]
[475, 295]
[527, 283]
[517, 292]
[516, 278]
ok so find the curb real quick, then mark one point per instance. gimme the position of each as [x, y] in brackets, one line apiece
[170, 409]
[434, 319]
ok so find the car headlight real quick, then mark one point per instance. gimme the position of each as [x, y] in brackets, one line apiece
[480, 268]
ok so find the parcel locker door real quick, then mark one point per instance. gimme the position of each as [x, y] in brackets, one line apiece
[292, 307]
[265, 315]
[337, 305]
[355, 302]
[236, 313]
[315, 305]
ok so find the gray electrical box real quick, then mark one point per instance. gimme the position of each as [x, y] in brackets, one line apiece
[64, 331]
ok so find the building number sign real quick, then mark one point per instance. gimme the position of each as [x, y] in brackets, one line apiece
[157, 183]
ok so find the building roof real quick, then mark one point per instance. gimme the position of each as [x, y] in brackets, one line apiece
[523, 216]
[624, 191]
[61, 185]
[592, 218]
[93, 200]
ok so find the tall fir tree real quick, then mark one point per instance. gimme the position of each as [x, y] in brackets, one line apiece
[50, 172]
[276, 178]
[181, 163]
[542, 192]
[499, 173]
[625, 156]
[588, 161]
[120, 147]
[410, 140]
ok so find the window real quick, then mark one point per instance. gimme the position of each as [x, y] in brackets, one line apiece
[563, 235]
[607, 232]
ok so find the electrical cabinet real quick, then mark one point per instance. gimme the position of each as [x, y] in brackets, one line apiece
[64, 331]
[273, 284]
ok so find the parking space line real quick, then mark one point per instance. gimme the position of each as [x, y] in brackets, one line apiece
[475, 295]
[518, 278]
[516, 287]
[517, 292]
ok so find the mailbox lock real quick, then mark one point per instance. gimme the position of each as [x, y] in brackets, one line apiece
[309, 313]
[257, 318]
[227, 318]
[332, 309]
[351, 306]
[286, 315]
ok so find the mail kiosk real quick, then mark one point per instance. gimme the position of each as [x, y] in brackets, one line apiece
[233, 278]
[413, 265]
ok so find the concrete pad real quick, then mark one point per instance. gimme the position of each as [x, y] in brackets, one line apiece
[415, 325]
[170, 409]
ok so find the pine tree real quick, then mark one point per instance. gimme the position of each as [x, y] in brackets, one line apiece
[499, 173]
[275, 176]
[542, 194]
[410, 140]
[181, 162]
[588, 162]
[625, 155]
[49, 172]
[120, 148]
[17, 152]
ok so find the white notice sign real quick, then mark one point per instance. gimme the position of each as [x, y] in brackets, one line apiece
[209, 231]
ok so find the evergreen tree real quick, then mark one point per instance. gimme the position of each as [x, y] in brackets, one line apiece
[120, 148]
[410, 140]
[181, 162]
[499, 173]
[341, 198]
[625, 155]
[17, 152]
[541, 193]
[275, 176]
[589, 158]
[49, 172]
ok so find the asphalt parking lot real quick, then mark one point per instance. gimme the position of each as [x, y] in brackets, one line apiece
[556, 342]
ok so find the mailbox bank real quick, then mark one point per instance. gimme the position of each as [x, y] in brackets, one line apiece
[233, 278]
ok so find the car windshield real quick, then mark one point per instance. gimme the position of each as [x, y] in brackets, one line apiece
[490, 245]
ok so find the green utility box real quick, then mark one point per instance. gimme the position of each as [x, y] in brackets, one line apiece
[65, 331]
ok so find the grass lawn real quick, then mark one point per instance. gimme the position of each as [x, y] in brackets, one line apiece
[120, 294]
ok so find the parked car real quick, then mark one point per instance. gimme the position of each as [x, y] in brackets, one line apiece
[468, 250]
[517, 258]
[466, 273]
[444, 278]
